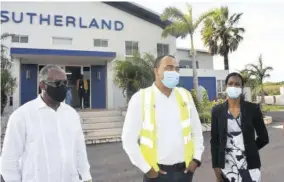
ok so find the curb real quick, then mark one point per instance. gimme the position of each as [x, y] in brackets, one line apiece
[206, 127]
[102, 141]
[267, 120]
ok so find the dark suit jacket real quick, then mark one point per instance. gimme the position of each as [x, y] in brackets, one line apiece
[252, 121]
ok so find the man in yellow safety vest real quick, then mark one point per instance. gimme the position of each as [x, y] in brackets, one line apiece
[162, 133]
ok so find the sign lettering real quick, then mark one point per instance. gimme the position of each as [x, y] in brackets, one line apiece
[60, 20]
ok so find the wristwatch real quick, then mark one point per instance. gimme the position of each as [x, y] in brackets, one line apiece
[197, 162]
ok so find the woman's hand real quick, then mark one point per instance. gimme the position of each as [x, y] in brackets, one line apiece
[218, 174]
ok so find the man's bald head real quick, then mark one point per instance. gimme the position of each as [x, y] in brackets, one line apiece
[160, 58]
[164, 63]
[52, 73]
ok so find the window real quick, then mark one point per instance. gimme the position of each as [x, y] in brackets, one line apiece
[62, 40]
[100, 43]
[221, 86]
[131, 48]
[187, 64]
[162, 49]
[20, 39]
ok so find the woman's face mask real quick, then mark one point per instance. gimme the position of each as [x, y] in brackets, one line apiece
[234, 92]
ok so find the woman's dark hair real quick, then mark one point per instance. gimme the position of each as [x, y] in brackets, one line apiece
[234, 74]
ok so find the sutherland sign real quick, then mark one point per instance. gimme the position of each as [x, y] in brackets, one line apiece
[60, 20]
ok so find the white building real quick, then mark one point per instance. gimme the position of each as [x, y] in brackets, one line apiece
[212, 80]
[84, 38]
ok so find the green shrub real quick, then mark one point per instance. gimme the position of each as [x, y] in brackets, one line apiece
[204, 107]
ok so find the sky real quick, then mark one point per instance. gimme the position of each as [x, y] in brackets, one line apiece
[264, 25]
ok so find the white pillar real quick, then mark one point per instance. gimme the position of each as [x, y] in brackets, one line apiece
[281, 90]
[16, 73]
[109, 89]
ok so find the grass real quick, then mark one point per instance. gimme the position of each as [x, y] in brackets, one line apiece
[272, 89]
[268, 108]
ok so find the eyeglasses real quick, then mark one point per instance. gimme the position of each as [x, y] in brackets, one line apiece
[56, 83]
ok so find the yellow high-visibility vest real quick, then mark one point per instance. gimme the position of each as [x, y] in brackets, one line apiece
[148, 138]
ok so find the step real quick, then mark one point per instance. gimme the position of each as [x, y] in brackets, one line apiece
[103, 125]
[102, 119]
[103, 138]
[102, 133]
[111, 139]
[92, 114]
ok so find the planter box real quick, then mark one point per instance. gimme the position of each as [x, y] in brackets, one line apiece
[267, 119]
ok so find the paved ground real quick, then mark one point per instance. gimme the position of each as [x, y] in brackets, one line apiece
[110, 164]
[277, 116]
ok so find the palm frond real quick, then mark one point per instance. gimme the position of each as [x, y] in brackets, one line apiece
[219, 32]
[173, 14]
[266, 69]
[202, 17]
[236, 18]
[176, 29]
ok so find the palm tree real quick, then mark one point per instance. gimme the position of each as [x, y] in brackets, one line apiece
[8, 83]
[134, 73]
[250, 82]
[260, 73]
[221, 34]
[183, 25]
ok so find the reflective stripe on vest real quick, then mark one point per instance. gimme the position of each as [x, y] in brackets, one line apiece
[148, 132]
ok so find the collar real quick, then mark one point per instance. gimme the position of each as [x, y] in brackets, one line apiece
[158, 91]
[41, 104]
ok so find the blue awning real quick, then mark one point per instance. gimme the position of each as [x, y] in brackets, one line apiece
[61, 52]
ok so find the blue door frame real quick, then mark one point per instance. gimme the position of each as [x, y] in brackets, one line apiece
[209, 83]
[98, 86]
[28, 83]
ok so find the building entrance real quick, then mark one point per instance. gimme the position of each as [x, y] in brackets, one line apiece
[78, 84]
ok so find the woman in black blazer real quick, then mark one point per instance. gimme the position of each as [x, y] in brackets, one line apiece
[234, 148]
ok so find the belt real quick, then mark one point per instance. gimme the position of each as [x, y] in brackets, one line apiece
[174, 168]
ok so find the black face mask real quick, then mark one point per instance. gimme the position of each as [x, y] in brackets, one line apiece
[57, 94]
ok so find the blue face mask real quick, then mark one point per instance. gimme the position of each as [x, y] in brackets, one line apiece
[234, 92]
[171, 79]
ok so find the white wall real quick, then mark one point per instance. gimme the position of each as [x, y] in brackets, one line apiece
[281, 90]
[279, 99]
[16, 74]
[247, 93]
[205, 60]
[40, 36]
[219, 74]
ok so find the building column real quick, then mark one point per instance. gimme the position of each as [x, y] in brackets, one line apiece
[16, 70]
[110, 90]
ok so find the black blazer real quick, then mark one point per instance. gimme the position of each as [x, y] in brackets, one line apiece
[252, 121]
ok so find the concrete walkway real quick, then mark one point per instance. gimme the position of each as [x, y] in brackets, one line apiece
[109, 163]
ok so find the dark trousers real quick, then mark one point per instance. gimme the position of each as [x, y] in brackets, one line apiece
[81, 98]
[171, 177]
[175, 173]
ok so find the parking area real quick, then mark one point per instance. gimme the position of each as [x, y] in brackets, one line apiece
[109, 163]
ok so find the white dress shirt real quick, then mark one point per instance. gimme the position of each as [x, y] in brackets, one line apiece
[170, 143]
[44, 145]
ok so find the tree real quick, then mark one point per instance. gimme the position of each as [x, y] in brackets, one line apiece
[8, 83]
[259, 72]
[183, 25]
[221, 34]
[134, 73]
[250, 82]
